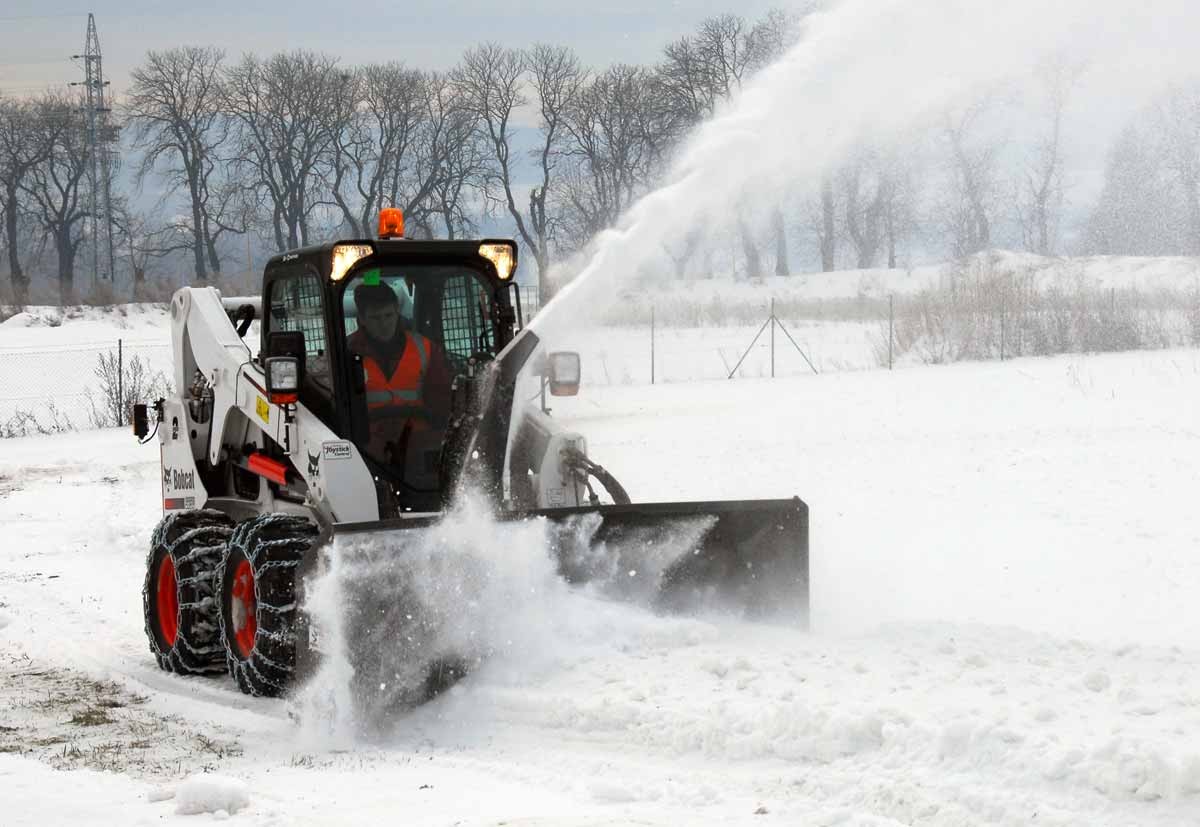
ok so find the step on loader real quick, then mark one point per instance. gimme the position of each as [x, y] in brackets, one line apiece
[388, 382]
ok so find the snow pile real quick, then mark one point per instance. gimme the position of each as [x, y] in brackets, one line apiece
[215, 794]
[51, 320]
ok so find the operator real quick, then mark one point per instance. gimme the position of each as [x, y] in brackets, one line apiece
[407, 380]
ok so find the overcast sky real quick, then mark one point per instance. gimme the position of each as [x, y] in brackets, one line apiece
[38, 37]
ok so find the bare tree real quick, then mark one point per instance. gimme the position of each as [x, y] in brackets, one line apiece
[284, 106]
[779, 232]
[55, 186]
[863, 194]
[461, 153]
[1041, 188]
[1136, 212]
[1178, 120]
[24, 145]
[773, 36]
[1150, 204]
[175, 109]
[613, 149]
[972, 160]
[372, 132]
[827, 226]
[700, 71]
[490, 80]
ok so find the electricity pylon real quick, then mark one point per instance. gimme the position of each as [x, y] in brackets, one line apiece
[100, 134]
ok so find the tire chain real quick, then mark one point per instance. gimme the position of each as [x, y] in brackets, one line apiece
[195, 541]
[274, 545]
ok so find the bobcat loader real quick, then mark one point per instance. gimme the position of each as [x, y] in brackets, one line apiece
[272, 469]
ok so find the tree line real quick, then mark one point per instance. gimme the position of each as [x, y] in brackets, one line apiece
[297, 148]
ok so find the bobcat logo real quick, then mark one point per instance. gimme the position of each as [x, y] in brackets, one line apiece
[314, 469]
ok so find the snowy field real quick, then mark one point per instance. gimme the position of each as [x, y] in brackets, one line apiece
[1005, 629]
[706, 328]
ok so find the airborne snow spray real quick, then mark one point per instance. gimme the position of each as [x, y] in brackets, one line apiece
[402, 615]
[861, 78]
[865, 72]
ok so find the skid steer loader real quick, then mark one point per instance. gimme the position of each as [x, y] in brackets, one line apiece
[276, 462]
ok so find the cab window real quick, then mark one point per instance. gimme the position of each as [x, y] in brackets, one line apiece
[295, 304]
[410, 329]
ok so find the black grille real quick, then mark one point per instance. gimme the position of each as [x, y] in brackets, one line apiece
[296, 305]
[465, 327]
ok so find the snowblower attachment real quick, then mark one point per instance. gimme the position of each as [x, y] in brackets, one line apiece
[748, 558]
[409, 603]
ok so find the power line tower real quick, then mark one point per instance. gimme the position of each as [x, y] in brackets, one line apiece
[101, 135]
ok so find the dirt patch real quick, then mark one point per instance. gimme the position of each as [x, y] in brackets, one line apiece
[70, 721]
[91, 717]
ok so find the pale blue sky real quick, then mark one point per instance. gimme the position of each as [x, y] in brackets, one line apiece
[37, 37]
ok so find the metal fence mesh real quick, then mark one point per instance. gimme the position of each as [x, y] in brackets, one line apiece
[57, 388]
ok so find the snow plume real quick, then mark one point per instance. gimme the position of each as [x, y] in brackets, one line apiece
[400, 616]
[868, 70]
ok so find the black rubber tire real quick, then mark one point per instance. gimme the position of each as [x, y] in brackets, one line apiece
[274, 545]
[195, 542]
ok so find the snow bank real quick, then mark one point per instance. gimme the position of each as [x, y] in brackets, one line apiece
[215, 794]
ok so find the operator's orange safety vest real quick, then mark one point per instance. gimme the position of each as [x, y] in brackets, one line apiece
[405, 387]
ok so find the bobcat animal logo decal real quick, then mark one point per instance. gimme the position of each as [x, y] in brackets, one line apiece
[314, 469]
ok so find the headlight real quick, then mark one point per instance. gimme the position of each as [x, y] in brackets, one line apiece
[346, 256]
[564, 373]
[502, 256]
[283, 379]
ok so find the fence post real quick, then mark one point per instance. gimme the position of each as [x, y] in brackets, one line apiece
[1002, 318]
[772, 338]
[891, 322]
[651, 344]
[120, 385]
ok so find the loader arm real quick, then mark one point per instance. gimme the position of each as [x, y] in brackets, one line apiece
[235, 410]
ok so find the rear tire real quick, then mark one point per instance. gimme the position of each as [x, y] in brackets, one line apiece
[179, 597]
[257, 585]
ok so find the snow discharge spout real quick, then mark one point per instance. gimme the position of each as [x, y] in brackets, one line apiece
[866, 71]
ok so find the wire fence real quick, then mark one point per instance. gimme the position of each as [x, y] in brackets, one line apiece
[55, 388]
[933, 328]
[52, 388]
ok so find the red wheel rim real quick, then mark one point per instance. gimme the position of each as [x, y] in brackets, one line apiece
[245, 607]
[167, 600]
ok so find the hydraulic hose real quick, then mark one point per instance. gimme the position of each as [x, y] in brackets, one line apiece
[576, 461]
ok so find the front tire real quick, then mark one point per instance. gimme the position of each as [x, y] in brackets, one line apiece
[179, 597]
[257, 584]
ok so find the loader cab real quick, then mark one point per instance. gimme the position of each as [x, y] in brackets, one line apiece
[389, 325]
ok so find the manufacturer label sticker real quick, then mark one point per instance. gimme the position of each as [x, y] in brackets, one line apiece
[174, 480]
[336, 450]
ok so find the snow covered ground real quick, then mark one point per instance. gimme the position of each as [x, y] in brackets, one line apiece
[1005, 629]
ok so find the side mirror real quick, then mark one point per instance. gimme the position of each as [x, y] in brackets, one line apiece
[563, 372]
[284, 366]
[141, 421]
